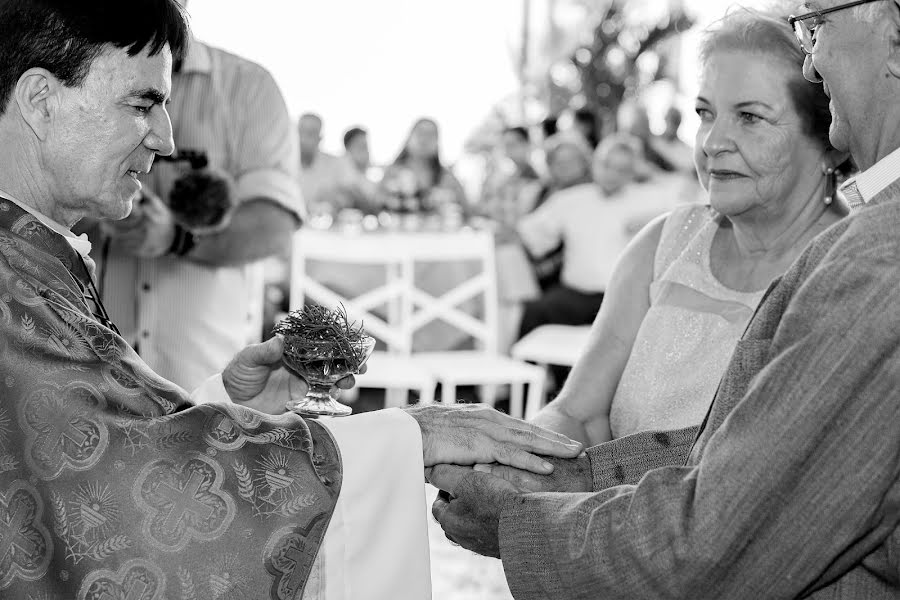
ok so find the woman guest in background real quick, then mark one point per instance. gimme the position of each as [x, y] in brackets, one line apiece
[686, 286]
[593, 223]
[417, 181]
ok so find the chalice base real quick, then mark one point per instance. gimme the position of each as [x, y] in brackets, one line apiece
[319, 404]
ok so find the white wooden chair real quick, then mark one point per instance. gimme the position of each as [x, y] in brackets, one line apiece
[410, 308]
[484, 366]
[391, 369]
[551, 345]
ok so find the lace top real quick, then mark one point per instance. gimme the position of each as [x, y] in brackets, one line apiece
[687, 335]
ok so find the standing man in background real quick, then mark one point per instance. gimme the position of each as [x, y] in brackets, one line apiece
[188, 302]
[356, 146]
[321, 174]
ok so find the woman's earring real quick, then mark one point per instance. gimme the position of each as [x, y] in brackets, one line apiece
[830, 184]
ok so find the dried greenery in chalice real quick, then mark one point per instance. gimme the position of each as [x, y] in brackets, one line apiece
[323, 346]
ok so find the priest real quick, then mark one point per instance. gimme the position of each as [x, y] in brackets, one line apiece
[115, 483]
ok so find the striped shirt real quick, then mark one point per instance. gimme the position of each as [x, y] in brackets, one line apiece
[186, 319]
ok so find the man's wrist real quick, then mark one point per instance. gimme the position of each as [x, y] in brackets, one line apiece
[183, 241]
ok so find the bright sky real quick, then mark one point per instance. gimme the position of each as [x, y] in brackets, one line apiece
[382, 63]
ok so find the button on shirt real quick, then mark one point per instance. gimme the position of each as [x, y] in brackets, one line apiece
[186, 319]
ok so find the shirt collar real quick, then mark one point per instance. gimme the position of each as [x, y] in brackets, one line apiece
[198, 59]
[79, 243]
[871, 182]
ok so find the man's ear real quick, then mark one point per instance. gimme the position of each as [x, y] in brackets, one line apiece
[36, 94]
[892, 17]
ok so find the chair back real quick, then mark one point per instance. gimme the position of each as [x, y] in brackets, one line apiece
[401, 304]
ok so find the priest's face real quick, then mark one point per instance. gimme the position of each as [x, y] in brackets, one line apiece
[106, 132]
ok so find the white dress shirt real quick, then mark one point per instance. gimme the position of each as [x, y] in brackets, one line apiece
[593, 229]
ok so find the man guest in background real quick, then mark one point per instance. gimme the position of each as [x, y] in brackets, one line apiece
[321, 174]
[187, 301]
[356, 149]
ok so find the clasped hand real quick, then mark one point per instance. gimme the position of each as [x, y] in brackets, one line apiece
[472, 498]
[480, 456]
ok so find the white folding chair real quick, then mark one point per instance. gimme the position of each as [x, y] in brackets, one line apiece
[485, 366]
[551, 345]
[391, 370]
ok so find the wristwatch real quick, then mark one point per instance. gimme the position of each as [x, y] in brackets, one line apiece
[182, 242]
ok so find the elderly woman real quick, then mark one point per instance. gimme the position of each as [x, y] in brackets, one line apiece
[685, 288]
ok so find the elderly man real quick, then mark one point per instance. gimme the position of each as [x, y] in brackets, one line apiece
[792, 488]
[113, 482]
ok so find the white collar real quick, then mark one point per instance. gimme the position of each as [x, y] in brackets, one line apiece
[871, 182]
[79, 243]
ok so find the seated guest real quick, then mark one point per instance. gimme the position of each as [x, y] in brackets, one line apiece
[568, 160]
[593, 223]
[356, 148]
[321, 174]
[417, 181]
[584, 120]
[685, 288]
[675, 154]
[355, 187]
[114, 482]
[509, 193]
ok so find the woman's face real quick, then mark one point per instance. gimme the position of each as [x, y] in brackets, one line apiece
[423, 140]
[751, 151]
[567, 166]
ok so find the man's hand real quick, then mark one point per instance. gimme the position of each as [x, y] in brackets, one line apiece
[466, 435]
[470, 514]
[256, 377]
[569, 475]
[147, 232]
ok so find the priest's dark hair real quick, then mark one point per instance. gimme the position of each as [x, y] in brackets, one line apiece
[65, 36]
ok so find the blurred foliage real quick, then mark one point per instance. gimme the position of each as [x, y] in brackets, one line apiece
[591, 54]
[627, 49]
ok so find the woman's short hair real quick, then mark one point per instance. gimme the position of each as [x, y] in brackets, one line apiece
[767, 32]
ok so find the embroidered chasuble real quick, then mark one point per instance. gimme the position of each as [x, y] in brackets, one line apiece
[113, 485]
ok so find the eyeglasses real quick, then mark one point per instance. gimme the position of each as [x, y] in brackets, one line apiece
[806, 34]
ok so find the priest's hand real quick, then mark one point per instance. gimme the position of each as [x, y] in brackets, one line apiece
[471, 434]
[469, 506]
[569, 475]
[147, 232]
[256, 378]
